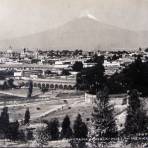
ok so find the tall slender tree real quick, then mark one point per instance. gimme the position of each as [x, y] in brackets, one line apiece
[103, 122]
[27, 116]
[80, 128]
[80, 131]
[66, 129]
[136, 120]
[30, 88]
[13, 131]
[53, 129]
[4, 120]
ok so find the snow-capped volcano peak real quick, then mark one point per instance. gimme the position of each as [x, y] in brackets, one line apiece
[88, 15]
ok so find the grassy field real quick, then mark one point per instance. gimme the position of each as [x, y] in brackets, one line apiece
[22, 92]
[82, 108]
[41, 106]
[57, 104]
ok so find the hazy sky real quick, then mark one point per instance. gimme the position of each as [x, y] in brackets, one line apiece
[23, 17]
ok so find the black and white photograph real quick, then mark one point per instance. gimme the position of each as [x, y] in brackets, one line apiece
[74, 73]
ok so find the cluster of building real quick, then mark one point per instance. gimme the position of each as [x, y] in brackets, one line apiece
[45, 68]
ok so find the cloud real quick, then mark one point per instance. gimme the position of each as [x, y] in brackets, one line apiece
[88, 14]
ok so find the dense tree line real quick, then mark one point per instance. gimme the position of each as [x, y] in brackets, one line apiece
[79, 129]
[8, 129]
[52, 131]
[134, 76]
[104, 124]
[92, 78]
[77, 66]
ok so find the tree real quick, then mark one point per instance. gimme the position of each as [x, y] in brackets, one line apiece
[133, 76]
[25, 50]
[80, 131]
[27, 116]
[65, 72]
[22, 136]
[4, 120]
[66, 129]
[13, 130]
[136, 117]
[30, 88]
[96, 59]
[77, 66]
[34, 61]
[103, 122]
[44, 89]
[30, 135]
[80, 128]
[53, 129]
[92, 78]
[11, 83]
[134, 73]
[5, 86]
[48, 72]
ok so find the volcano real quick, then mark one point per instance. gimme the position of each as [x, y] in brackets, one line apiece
[85, 32]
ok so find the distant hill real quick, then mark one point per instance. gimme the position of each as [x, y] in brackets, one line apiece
[82, 33]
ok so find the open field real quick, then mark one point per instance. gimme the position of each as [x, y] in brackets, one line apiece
[40, 106]
[22, 92]
[56, 104]
[81, 107]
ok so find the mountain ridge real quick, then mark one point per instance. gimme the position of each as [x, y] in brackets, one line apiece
[81, 33]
